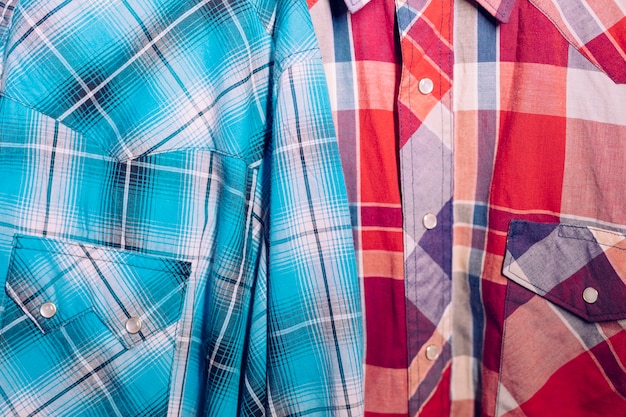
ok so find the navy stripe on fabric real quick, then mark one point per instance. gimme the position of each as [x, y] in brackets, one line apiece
[343, 51]
[486, 31]
[478, 321]
[486, 38]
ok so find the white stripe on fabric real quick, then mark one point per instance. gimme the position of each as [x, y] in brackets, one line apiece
[327, 319]
[125, 204]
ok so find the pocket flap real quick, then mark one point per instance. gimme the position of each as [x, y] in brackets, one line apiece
[71, 279]
[580, 268]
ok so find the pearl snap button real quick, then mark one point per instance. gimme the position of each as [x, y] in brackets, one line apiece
[133, 325]
[429, 221]
[426, 86]
[590, 295]
[432, 352]
[47, 310]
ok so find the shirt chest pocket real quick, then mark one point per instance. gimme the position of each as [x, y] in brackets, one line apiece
[75, 315]
[564, 321]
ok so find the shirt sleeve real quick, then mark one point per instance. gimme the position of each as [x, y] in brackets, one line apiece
[314, 356]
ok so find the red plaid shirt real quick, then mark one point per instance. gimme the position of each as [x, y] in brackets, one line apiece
[484, 145]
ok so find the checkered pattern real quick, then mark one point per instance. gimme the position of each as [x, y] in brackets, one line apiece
[521, 136]
[173, 162]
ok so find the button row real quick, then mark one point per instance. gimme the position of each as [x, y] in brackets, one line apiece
[426, 86]
[49, 310]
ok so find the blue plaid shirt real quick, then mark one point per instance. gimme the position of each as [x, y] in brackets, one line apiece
[174, 230]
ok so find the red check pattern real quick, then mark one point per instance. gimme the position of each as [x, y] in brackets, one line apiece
[510, 168]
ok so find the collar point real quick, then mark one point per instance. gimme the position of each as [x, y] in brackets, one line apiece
[499, 9]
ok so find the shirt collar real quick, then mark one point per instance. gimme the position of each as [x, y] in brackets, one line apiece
[500, 9]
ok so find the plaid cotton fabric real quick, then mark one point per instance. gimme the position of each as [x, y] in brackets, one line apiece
[174, 230]
[508, 153]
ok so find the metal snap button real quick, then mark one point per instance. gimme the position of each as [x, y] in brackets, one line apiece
[590, 295]
[426, 86]
[429, 221]
[47, 310]
[133, 325]
[432, 352]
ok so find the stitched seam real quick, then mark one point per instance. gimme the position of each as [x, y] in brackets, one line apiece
[20, 238]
